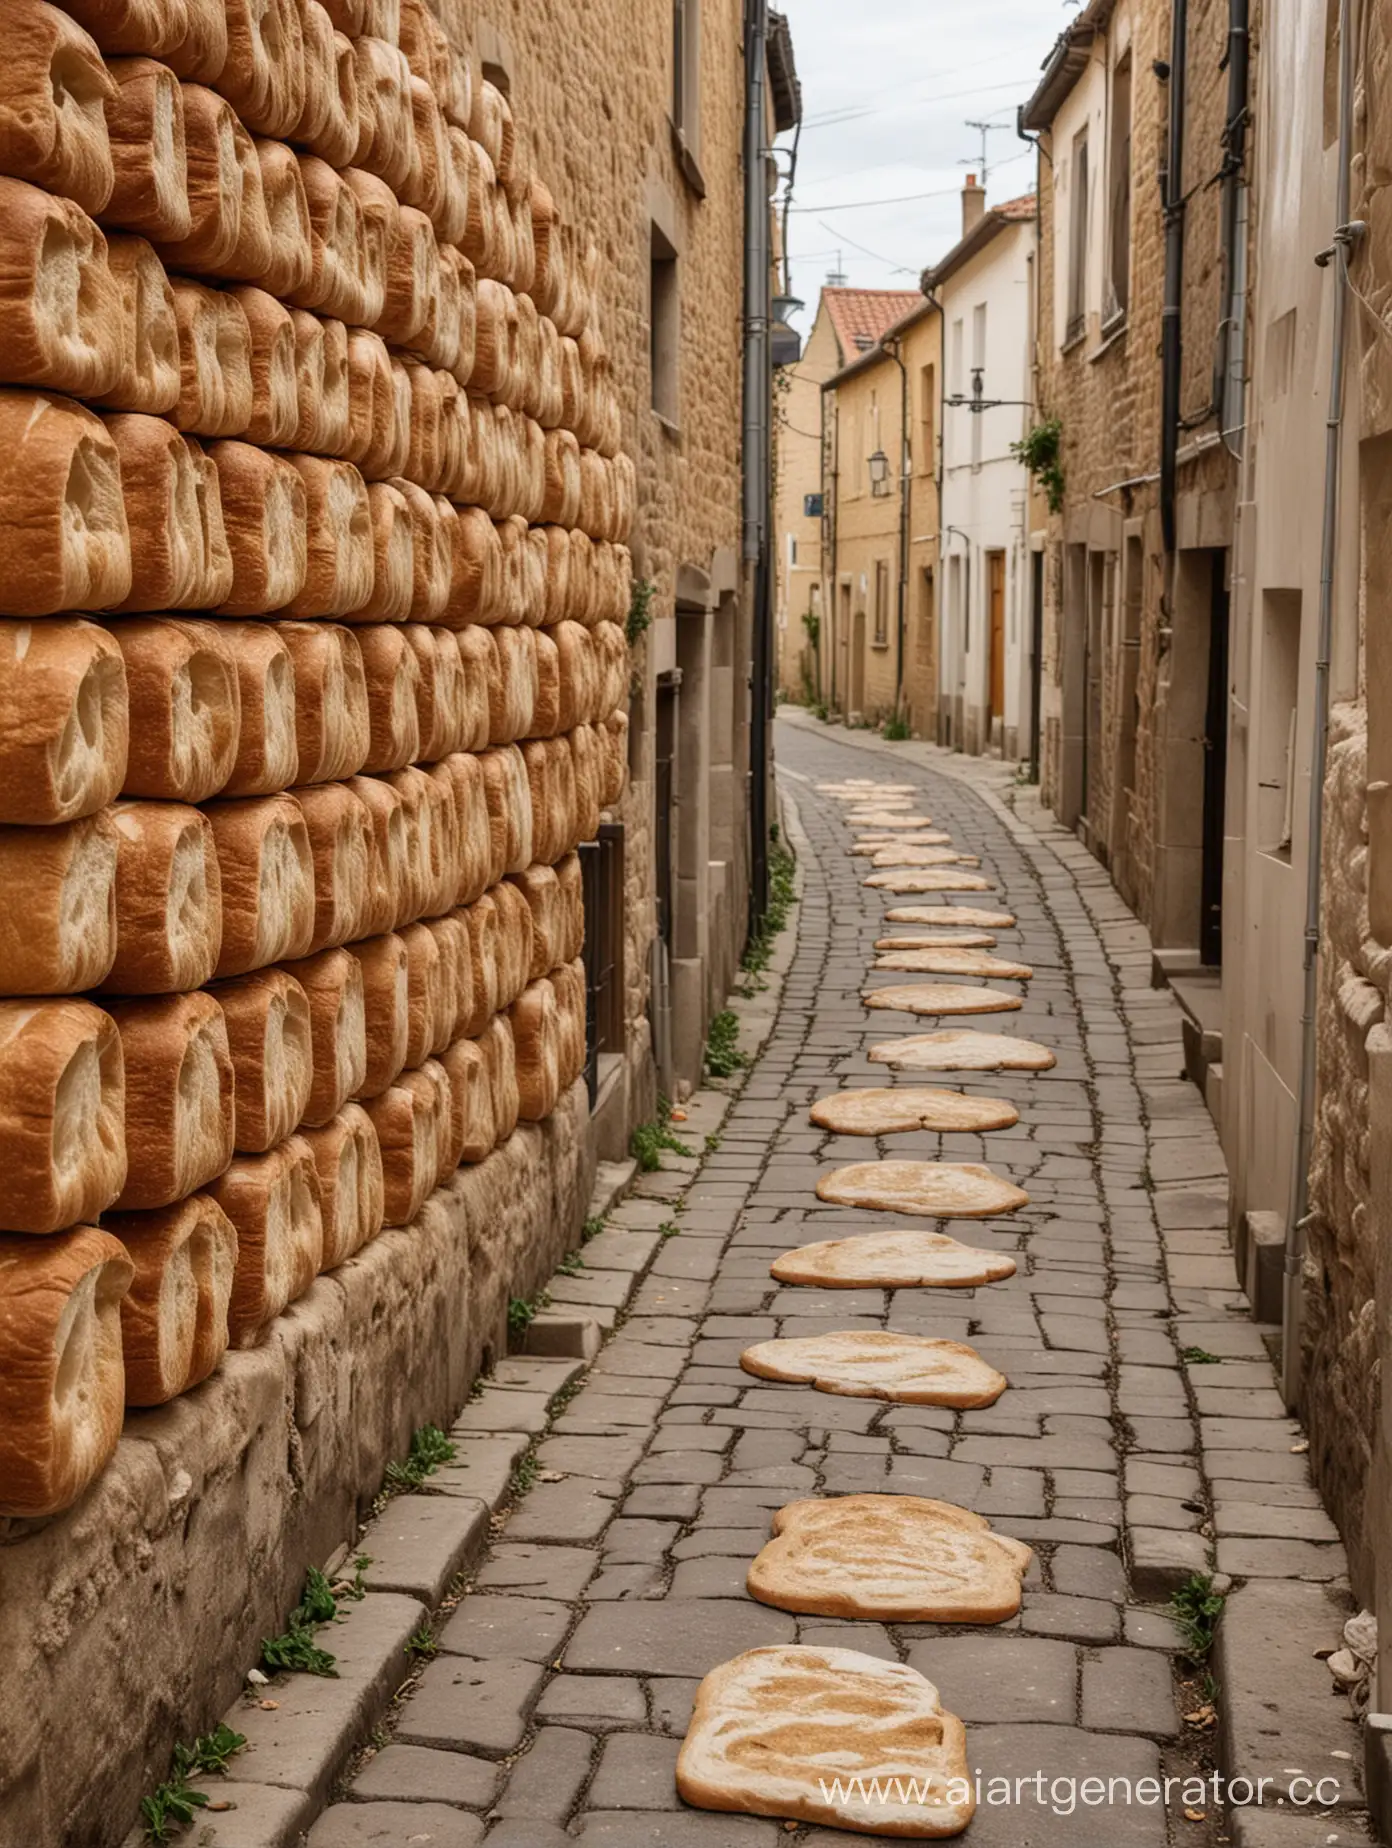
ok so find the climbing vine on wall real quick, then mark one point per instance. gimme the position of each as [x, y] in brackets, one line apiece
[1039, 449]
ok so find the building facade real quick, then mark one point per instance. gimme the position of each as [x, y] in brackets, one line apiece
[984, 291]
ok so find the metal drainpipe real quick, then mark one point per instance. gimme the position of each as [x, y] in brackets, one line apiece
[1174, 275]
[1234, 149]
[895, 352]
[1337, 260]
[757, 412]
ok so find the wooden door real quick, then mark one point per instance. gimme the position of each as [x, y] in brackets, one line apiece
[995, 591]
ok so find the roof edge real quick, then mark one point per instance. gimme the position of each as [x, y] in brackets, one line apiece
[873, 355]
[988, 226]
[1064, 65]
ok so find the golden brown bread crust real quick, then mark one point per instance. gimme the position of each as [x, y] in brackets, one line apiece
[64, 720]
[174, 1316]
[273, 1200]
[168, 899]
[339, 556]
[62, 1114]
[185, 707]
[267, 748]
[328, 124]
[64, 541]
[333, 986]
[412, 1120]
[215, 387]
[179, 1096]
[264, 75]
[58, 922]
[179, 552]
[340, 842]
[264, 511]
[267, 881]
[331, 717]
[385, 1005]
[54, 91]
[62, 1388]
[216, 148]
[348, 1161]
[148, 375]
[268, 1036]
[58, 328]
[145, 123]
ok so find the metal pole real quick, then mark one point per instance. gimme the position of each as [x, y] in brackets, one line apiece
[757, 418]
[1174, 275]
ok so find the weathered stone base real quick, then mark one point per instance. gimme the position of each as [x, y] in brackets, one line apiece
[129, 1622]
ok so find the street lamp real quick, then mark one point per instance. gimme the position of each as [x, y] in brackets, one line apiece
[878, 465]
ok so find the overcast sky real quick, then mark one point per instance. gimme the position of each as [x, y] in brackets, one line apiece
[888, 87]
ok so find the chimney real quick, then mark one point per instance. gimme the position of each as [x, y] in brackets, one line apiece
[973, 204]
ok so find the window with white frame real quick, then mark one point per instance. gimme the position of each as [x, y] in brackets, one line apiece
[1077, 238]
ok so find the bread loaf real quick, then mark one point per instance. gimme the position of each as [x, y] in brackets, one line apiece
[426, 993]
[586, 756]
[482, 920]
[471, 1099]
[439, 693]
[274, 399]
[547, 709]
[514, 942]
[431, 551]
[215, 384]
[62, 1113]
[475, 570]
[480, 232]
[412, 272]
[389, 892]
[338, 279]
[386, 126]
[541, 893]
[321, 384]
[348, 1162]
[612, 666]
[267, 882]
[179, 1096]
[268, 1035]
[64, 543]
[179, 552]
[64, 720]
[500, 1052]
[349, 17]
[509, 797]
[393, 676]
[412, 1120]
[59, 304]
[338, 543]
[431, 838]
[267, 748]
[371, 396]
[569, 984]
[340, 839]
[614, 739]
[378, 206]
[288, 262]
[429, 184]
[536, 1032]
[217, 149]
[385, 1007]
[264, 511]
[330, 690]
[332, 983]
[168, 900]
[328, 124]
[185, 706]
[62, 1388]
[451, 936]
[514, 694]
[547, 846]
[462, 775]
[147, 378]
[393, 556]
[149, 28]
[202, 49]
[476, 659]
[54, 91]
[58, 924]
[570, 880]
[448, 336]
[145, 123]
[174, 1316]
[273, 1201]
[264, 76]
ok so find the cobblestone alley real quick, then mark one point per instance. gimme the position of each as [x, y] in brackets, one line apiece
[1140, 1439]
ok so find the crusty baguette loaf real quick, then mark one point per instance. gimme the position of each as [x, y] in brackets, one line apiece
[331, 711]
[54, 90]
[386, 1009]
[274, 395]
[333, 985]
[64, 542]
[328, 124]
[179, 553]
[60, 320]
[64, 720]
[179, 1096]
[392, 671]
[168, 900]
[174, 1316]
[264, 510]
[145, 123]
[268, 748]
[389, 885]
[62, 1114]
[185, 707]
[412, 1120]
[338, 544]
[340, 841]
[267, 881]
[269, 1037]
[58, 922]
[215, 384]
[273, 1201]
[147, 378]
[62, 1388]
[348, 1161]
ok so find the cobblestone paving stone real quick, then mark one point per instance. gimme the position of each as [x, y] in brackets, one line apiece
[555, 1707]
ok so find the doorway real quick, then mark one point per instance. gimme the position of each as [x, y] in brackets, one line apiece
[1215, 747]
[995, 612]
[856, 697]
[843, 643]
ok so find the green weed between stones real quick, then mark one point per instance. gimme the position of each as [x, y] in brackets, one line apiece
[895, 728]
[650, 1139]
[1196, 1608]
[175, 1803]
[669, 1229]
[760, 946]
[723, 1056]
[524, 1310]
[430, 1450]
[1200, 1357]
[592, 1228]
[421, 1645]
[523, 1476]
[571, 1264]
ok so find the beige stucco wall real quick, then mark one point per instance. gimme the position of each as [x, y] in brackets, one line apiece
[797, 404]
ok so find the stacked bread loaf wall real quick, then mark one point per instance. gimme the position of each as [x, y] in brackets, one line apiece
[312, 672]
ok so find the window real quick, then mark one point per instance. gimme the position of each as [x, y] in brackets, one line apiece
[664, 331]
[957, 350]
[927, 417]
[1077, 238]
[881, 603]
[1276, 739]
[686, 75]
[978, 372]
[792, 550]
[1119, 276]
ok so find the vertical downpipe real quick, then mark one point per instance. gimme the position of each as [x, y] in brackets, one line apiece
[758, 476]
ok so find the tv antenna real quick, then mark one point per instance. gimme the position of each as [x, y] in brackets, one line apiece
[984, 129]
[836, 277]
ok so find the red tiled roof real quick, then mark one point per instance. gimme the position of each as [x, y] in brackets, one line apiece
[860, 316]
[1023, 207]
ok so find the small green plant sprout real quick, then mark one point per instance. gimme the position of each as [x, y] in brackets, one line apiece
[895, 728]
[592, 1228]
[430, 1450]
[523, 1476]
[723, 1055]
[524, 1310]
[1196, 1608]
[571, 1264]
[712, 1143]
[669, 1229]
[650, 1139]
[781, 868]
[175, 1803]
[421, 1645]
[640, 610]
[1200, 1357]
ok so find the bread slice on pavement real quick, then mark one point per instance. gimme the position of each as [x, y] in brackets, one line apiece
[889, 1559]
[936, 1189]
[783, 1731]
[879, 1364]
[925, 855]
[959, 1049]
[927, 879]
[904, 1259]
[940, 998]
[888, 1110]
[952, 960]
[955, 917]
[946, 939]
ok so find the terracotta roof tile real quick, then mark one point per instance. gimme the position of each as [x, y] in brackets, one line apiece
[860, 316]
[1023, 207]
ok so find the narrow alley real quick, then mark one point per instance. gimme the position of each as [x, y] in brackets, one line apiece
[1138, 1431]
